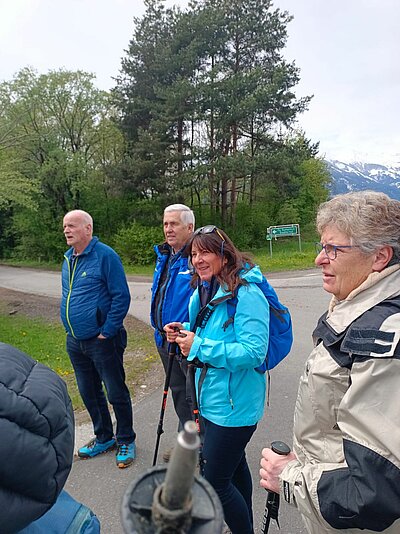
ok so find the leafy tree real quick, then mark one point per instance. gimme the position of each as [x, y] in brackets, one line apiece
[58, 143]
[202, 94]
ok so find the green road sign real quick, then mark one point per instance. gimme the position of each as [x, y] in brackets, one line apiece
[285, 230]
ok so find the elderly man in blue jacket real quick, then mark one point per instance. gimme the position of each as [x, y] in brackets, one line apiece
[171, 292]
[95, 301]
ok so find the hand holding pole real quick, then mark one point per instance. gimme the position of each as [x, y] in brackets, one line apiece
[272, 504]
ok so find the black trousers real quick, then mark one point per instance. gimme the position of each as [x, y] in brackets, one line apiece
[180, 392]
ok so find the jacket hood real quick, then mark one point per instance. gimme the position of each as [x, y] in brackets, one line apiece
[165, 249]
[253, 275]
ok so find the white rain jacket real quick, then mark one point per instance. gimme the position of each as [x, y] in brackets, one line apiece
[347, 418]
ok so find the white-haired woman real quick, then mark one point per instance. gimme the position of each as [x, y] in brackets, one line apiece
[344, 472]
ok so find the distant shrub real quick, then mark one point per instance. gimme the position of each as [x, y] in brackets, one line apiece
[135, 243]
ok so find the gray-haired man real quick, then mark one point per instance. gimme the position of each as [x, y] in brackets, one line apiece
[171, 292]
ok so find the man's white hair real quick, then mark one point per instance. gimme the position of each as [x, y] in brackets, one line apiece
[187, 215]
[84, 215]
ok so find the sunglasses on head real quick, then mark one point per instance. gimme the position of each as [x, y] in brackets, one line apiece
[209, 229]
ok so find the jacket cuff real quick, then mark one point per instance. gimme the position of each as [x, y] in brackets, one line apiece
[194, 349]
[289, 479]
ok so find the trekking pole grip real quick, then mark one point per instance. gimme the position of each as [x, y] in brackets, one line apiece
[272, 504]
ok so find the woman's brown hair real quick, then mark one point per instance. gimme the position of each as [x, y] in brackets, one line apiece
[212, 239]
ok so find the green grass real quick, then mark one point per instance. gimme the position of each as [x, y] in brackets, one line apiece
[140, 270]
[285, 256]
[45, 342]
[34, 264]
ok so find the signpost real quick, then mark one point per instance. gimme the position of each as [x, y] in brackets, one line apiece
[285, 230]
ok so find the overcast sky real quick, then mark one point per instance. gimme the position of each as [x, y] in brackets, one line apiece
[348, 52]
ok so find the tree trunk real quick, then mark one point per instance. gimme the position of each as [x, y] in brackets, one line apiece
[180, 145]
[233, 183]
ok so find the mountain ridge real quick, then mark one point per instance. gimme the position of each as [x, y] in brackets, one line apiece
[358, 176]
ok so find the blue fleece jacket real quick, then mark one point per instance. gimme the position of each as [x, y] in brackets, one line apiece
[173, 304]
[95, 293]
[233, 392]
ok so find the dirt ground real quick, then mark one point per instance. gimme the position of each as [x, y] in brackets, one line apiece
[150, 376]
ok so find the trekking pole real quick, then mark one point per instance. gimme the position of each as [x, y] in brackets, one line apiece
[160, 430]
[173, 499]
[195, 408]
[272, 505]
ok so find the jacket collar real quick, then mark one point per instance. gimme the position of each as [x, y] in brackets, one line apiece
[165, 249]
[376, 288]
[87, 250]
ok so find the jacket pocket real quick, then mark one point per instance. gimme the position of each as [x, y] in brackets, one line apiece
[99, 317]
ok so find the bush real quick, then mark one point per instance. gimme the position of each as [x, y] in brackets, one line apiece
[251, 225]
[135, 243]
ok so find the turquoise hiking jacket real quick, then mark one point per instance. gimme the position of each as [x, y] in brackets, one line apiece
[233, 392]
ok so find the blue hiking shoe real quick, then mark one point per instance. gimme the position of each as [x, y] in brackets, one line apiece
[126, 453]
[94, 447]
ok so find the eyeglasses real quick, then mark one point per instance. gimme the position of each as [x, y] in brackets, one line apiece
[209, 229]
[331, 250]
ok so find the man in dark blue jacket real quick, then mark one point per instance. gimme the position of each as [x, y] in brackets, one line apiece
[171, 292]
[95, 301]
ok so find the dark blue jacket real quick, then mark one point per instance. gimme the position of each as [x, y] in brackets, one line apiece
[173, 305]
[95, 294]
[37, 438]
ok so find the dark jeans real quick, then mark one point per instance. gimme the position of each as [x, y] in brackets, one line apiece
[225, 467]
[180, 394]
[97, 362]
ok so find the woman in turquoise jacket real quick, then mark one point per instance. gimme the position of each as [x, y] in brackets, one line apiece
[227, 350]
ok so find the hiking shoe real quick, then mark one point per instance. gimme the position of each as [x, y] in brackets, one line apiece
[94, 447]
[126, 453]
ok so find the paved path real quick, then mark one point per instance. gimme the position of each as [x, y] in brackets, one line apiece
[48, 284]
[100, 485]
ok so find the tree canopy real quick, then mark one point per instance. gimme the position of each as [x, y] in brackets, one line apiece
[204, 111]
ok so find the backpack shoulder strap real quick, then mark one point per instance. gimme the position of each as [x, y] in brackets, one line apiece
[231, 307]
[207, 310]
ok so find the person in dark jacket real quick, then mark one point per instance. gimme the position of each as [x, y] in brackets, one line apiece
[171, 292]
[95, 301]
[36, 439]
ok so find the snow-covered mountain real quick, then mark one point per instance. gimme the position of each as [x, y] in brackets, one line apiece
[358, 176]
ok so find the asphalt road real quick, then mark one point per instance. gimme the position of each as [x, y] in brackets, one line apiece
[100, 485]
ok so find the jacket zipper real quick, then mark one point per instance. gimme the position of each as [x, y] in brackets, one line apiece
[229, 391]
[71, 280]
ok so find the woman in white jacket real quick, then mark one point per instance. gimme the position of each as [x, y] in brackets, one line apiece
[344, 472]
